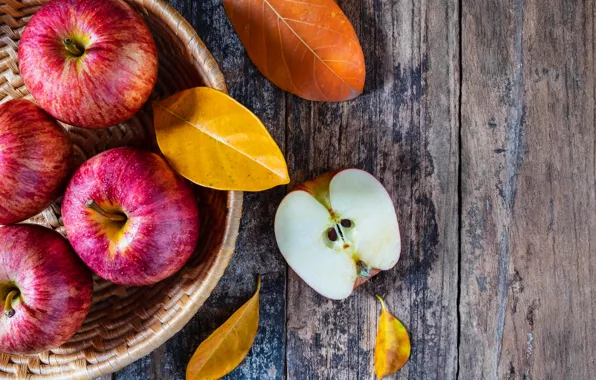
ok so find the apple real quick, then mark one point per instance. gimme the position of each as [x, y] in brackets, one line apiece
[35, 160]
[337, 231]
[130, 217]
[88, 63]
[45, 290]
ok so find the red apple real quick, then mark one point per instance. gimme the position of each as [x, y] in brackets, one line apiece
[338, 230]
[45, 290]
[89, 63]
[35, 159]
[130, 217]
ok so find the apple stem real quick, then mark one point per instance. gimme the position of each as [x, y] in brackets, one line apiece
[72, 47]
[8, 310]
[112, 216]
[364, 269]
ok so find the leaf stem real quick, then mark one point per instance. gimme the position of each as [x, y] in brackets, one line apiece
[381, 300]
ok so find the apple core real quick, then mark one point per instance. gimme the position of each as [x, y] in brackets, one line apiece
[338, 230]
[339, 239]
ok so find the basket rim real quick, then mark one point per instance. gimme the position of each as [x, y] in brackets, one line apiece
[201, 59]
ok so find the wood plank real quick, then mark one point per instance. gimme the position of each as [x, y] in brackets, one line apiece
[528, 309]
[404, 130]
[256, 248]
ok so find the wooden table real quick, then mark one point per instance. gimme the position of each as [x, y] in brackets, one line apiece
[478, 116]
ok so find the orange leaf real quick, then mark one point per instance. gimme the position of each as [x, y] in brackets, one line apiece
[214, 141]
[225, 349]
[306, 47]
[392, 349]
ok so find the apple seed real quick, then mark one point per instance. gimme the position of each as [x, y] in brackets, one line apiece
[347, 223]
[332, 234]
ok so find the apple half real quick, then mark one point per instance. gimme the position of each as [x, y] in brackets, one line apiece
[338, 230]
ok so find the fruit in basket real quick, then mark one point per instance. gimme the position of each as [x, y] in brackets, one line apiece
[89, 63]
[130, 217]
[338, 230]
[35, 159]
[45, 290]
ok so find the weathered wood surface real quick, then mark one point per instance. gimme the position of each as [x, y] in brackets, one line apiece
[257, 251]
[495, 192]
[404, 130]
[528, 308]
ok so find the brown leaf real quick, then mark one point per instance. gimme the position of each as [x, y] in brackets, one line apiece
[392, 349]
[214, 141]
[225, 349]
[306, 47]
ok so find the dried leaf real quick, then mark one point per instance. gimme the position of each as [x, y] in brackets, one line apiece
[214, 141]
[225, 349]
[392, 349]
[306, 47]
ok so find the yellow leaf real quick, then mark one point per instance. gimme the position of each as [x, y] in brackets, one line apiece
[214, 141]
[225, 349]
[392, 349]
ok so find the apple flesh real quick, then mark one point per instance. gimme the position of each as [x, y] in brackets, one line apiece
[130, 217]
[337, 231]
[89, 63]
[35, 160]
[45, 290]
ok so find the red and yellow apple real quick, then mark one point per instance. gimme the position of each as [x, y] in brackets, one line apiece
[35, 160]
[45, 290]
[338, 230]
[130, 217]
[89, 63]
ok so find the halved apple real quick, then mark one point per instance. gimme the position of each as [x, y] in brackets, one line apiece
[338, 230]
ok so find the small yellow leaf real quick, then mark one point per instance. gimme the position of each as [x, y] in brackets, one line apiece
[214, 141]
[392, 349]
[225, 349]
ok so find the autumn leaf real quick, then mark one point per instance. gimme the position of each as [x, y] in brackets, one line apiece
[225, 349]
[392, 349]
[214, 141]
[306, 47]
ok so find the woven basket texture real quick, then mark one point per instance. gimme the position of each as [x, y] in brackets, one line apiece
[127, 323]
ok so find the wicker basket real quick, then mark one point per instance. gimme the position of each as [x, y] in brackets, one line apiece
[127, 323]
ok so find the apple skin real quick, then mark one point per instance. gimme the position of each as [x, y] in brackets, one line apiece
[56, 289]
[106, 85]
[329, 256]
[35, 160]
[162, 226]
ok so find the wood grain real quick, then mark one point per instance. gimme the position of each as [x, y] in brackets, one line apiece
[404, 130]
[519, 304]
[256, 248]
[528, 203]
